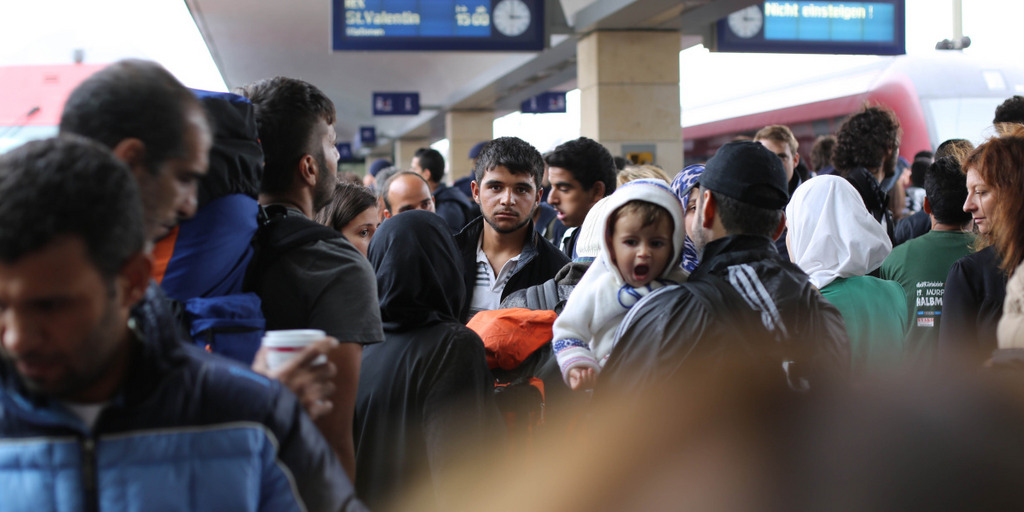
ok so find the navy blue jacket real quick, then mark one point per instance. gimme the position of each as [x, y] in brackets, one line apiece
[454, 207]
[186, 431]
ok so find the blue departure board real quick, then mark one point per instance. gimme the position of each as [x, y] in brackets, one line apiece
[433, 25]
[873, 28]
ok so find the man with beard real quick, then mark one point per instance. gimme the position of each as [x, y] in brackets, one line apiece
[101, 406]
[325, 284]
[501, 251]
[743, 300]
[866, 151]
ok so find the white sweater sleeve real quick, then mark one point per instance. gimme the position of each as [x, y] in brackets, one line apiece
[574, 329]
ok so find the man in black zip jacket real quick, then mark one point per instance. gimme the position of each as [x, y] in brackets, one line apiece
[501, 251]
[743, 300]
[450, 203]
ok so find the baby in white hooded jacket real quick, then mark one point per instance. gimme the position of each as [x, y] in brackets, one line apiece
[640, 251]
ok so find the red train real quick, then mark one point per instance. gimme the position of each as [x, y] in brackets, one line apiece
[941, 96]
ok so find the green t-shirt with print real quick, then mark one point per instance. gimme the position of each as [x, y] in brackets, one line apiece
[920, 266]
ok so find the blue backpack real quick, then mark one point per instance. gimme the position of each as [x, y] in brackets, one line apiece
[205, 264]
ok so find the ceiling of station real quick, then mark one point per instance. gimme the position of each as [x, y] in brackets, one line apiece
[251, 39]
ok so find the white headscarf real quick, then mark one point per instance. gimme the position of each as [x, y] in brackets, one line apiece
[831, 233]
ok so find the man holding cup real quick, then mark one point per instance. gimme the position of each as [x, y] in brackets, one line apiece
[327, 284]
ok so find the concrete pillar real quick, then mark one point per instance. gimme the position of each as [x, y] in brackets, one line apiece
[464, 129]
[629, 93]
[406, 148]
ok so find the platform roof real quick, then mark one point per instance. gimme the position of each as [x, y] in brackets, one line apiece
[250, 39]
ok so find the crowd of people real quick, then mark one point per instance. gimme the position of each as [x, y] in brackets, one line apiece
[569, 332]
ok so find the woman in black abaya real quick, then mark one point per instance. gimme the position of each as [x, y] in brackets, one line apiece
[425, 393]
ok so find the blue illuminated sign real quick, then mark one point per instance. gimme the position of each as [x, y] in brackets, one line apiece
[873, 28]
[396, 103]
[514, 25]
[544, 103]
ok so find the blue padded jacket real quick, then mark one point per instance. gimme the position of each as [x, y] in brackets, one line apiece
[187, 431]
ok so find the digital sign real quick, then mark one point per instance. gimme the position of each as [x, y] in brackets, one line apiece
[872, 28]
[437, 25]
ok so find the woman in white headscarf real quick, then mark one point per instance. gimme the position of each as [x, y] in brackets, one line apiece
[837, 242]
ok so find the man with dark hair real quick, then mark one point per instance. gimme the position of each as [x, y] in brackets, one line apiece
[94, 377]
[325, 284]
[152, 123]
[1009, 111]
[743, 300]
[920, 222]
[405, 191]
[921, 265]
[581, 172]
[501, 251]
[867, 147]
[450, 203]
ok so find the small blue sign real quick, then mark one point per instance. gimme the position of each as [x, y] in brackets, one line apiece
[544, 103]
[396, 103]
[344, 151]
[368, 135]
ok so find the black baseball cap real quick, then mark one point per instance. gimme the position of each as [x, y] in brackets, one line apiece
[747, 172]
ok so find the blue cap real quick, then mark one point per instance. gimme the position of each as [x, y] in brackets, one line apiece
[378, 165]
[475, 151]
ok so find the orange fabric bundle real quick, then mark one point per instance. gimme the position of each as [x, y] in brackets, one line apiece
[511, 335]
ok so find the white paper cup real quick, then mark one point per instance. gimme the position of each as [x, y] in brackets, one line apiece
[286, 344]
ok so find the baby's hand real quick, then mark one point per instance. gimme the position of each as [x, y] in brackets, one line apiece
[582, 378]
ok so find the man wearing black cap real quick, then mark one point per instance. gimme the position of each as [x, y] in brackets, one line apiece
[744, 303]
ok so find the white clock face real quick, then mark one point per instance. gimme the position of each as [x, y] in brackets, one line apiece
[745, 23]
[511, 17]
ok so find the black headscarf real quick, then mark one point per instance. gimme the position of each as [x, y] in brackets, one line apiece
[419, 271]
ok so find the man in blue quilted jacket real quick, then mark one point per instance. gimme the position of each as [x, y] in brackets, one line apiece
[101, 407]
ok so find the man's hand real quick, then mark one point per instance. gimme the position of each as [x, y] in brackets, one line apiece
[312, 383]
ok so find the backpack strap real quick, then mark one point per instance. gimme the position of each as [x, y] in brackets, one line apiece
[553, 302]
[544, 296]
[534, 298]
[281, 231]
